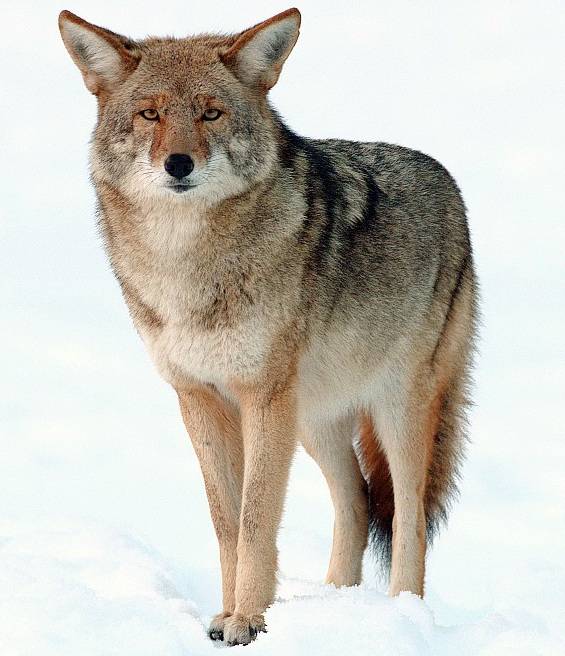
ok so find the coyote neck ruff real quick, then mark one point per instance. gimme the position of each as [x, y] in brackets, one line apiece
[211, 288]
[289, 289]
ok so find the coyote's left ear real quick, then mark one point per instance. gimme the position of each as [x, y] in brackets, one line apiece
[103, 57]
[258, 54]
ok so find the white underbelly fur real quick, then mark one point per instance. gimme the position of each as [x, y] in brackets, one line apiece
[212, 356]
[327, 389]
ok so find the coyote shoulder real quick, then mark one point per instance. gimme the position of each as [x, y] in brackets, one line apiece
[290, 290]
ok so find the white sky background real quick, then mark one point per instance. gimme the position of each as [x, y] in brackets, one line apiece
[88, 430]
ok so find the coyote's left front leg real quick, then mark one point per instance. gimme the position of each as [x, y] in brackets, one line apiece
[269, 437]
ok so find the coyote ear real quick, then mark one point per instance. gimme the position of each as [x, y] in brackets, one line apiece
[104, 58]
[258, 54]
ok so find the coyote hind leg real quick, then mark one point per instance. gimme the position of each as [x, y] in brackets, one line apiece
[406, 435]
[331, 446]
[419, 430]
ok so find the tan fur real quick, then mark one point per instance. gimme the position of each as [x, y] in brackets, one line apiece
[349, 496]
[214, 428]
[406, 444]
[169, 139]
[269, 429]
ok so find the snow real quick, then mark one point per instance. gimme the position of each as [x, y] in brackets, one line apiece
[83, 586]
[106, 545]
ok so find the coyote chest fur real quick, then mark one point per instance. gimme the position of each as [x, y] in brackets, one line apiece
[201, 297]
[290, 290]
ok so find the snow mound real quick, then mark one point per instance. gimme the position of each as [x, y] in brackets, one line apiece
[92, 592]
[83, 589]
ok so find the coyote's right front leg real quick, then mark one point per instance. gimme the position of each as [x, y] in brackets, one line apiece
[214, 428]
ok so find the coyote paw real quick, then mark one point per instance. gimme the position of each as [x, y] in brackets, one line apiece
[242, 629]
[216, 628]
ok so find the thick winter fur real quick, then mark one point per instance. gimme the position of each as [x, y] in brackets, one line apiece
[289, 289]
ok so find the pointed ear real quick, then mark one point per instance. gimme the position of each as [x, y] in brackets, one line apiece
[258, 54]
[104, 58]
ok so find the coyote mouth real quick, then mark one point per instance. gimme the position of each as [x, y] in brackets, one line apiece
[181, 188]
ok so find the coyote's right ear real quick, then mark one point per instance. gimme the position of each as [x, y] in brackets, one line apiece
[104, 58]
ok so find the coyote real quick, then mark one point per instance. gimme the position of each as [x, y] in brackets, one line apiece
[290, 290]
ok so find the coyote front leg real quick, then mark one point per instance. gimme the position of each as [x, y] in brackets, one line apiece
[269, 436]
[214, 428]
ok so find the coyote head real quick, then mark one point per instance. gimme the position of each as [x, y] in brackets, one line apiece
[182, 118]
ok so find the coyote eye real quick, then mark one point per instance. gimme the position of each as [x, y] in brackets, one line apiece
[211, 114]
[150, 114]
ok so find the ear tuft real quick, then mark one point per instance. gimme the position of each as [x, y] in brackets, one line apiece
[258, 54]
[104, 58]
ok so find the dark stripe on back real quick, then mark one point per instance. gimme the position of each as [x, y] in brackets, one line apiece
[290, 146]
[329, 199]
[324, 193]
[351, 233]
[328, 229]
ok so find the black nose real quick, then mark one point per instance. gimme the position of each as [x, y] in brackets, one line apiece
[178, 165]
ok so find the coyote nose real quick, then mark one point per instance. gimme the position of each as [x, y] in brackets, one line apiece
[178, 165]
